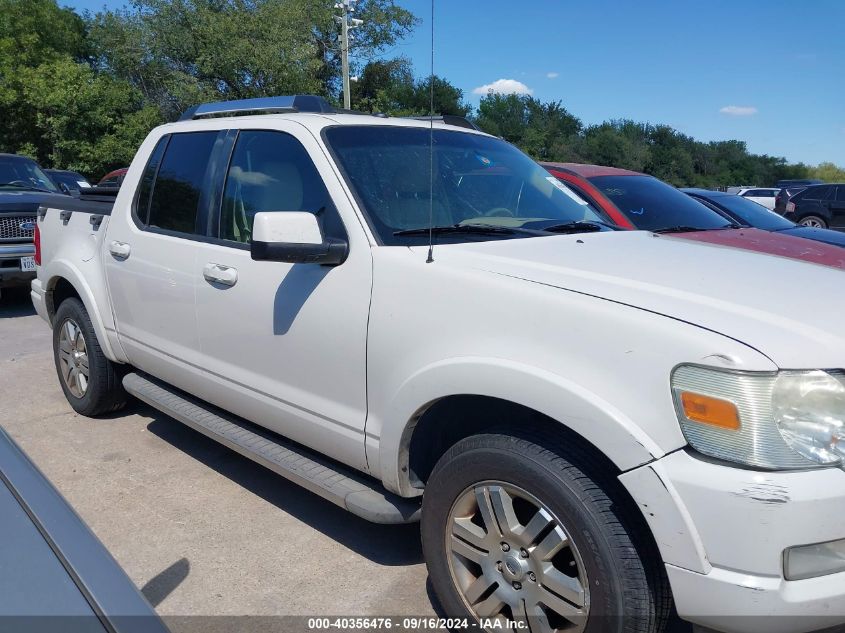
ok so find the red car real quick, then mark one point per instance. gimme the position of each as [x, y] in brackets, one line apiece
[113, 178]
[638, 201]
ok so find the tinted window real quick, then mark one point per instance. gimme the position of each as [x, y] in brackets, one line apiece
[271, 171]
[177, 188]
[145, 187]
[816, 193]
[753, 214]
[71, 180]
[653, 205]
[840, 193]
[17, 172]
[476, 180]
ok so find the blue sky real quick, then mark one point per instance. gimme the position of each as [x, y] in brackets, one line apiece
[769, 72]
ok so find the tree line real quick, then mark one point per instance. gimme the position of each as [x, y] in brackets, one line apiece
[82, 91]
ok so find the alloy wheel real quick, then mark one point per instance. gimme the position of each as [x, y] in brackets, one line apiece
[73, 358]
[512, 559]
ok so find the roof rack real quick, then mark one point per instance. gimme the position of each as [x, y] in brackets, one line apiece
[261, 105]
[296, 103]
[448, 119]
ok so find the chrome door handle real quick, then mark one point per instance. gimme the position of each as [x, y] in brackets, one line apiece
[120, 250]
[220, 274]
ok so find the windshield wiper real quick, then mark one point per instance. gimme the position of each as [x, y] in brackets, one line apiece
[579, 226]
[473, 229]
[680, 229]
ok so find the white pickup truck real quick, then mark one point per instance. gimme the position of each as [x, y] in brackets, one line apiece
[599, 430]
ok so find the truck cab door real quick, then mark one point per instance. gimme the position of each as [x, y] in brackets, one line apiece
[150, 256]
[284, 345]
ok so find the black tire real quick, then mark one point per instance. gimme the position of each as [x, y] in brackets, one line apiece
[813, 220]
[628, 588]
[104, 392]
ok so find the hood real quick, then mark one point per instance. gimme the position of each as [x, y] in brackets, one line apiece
[780, 244]
[827, 236]
[27, 201]
[789, 310]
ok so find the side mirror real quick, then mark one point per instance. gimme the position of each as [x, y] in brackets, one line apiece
[64, 188]
[294, 237]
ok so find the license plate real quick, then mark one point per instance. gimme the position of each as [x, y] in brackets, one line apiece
[28, 263]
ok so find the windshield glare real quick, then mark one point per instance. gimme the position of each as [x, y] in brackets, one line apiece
[753, 214]
[477, 180]
[22, 173]
[653, 205]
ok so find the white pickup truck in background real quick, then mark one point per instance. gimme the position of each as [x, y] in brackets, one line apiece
[599, 429]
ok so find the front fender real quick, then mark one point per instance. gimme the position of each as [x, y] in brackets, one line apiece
[584, 412]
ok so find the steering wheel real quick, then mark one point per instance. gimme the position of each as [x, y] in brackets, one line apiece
[499, 212]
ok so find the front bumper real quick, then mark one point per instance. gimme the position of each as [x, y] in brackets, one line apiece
[722, 532]
[10, 264]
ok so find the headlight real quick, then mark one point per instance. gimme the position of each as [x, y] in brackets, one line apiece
[809, 409]
[769, 420]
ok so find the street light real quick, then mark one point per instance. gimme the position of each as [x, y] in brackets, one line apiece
[347, 23]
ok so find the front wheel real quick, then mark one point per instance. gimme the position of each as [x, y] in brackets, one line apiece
[516, 529]
[90, 381]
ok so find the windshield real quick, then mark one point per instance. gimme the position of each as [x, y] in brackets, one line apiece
[753, 214]
[21, 173]
[652, 205]
[478, 180]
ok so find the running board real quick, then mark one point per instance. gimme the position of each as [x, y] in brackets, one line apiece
[339, 484]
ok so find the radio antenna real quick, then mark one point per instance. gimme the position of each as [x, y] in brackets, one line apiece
[430, 257]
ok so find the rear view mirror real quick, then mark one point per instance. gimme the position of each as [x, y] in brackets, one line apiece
[294, 237]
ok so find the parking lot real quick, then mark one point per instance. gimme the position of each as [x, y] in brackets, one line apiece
[202, 530]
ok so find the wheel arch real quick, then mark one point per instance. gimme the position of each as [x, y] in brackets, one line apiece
[452, 399]
[66, 282]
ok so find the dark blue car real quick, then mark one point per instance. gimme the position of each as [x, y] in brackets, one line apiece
[748, 213]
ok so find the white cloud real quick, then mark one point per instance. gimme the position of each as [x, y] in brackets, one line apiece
[552, 75]
[504, 87]
[733, 110]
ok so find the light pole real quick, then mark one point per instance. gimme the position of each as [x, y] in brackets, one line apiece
[347, 23]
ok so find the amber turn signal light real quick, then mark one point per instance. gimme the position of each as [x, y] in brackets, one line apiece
[710, 410]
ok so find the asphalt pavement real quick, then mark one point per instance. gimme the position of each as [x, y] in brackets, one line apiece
[200, 529]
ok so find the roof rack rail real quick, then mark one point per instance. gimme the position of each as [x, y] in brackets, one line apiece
[261, 105]
[448, 119]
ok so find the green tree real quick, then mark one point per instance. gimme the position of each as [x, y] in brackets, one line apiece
[828, 172]
[32, 32]
[615, 144]
[388, 86]
[84, 120]
[545, 131]
[183, 51]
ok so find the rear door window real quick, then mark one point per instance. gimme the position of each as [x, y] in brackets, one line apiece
[816, 193]
[180, 182]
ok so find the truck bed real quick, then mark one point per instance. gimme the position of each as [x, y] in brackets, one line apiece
[98, 201]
